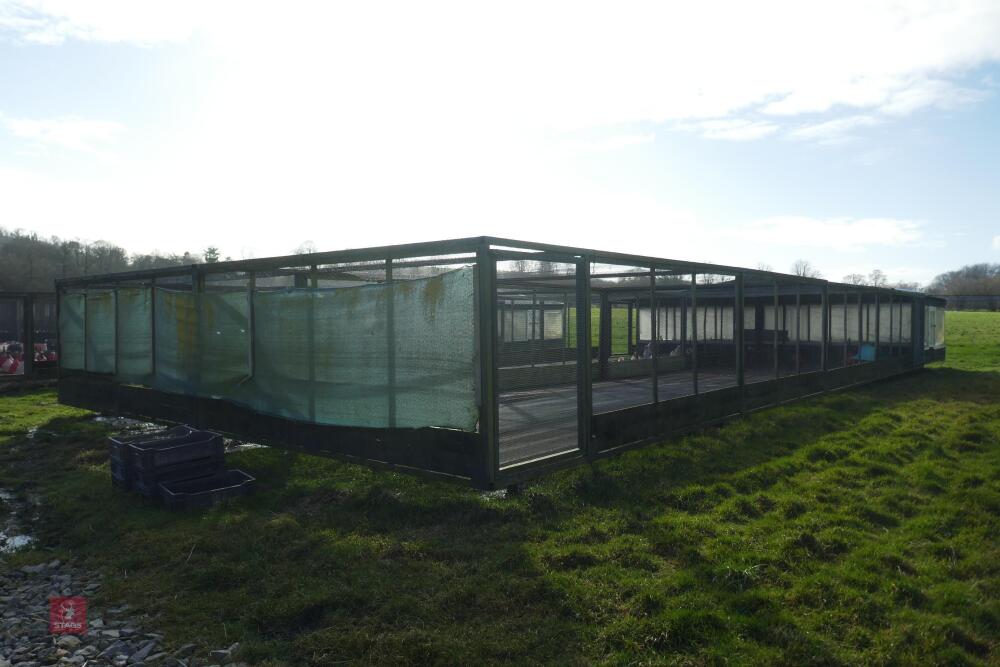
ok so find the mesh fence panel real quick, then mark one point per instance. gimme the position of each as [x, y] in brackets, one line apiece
[392, 354]
[224, 341]
[71, 330]
[135, 334]
[100, 338]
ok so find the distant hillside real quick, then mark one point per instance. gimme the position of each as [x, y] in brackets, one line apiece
[971, 279]
[29, 262]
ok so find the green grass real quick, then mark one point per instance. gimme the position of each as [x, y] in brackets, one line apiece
[859, 527]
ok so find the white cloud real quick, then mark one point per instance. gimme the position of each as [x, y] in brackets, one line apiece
[833, 131]
[733, 129]
[613, 143]
[841, 234]
[134, 21]
[572, 65]
[66, 132]
[996, 242]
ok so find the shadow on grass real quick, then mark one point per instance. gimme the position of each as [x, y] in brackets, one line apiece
[336, 561]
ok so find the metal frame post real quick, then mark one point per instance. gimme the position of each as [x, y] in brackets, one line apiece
[584, 379]
[845, 329]
[489, 406]
[390, 341]
[114, 296]
[152, 326]
[654, 325]
[861, 299]
[825, 323]
[694, 332]
[28, 322]
[798, 329]
[878, 325]
[774, 333]
[738, 331]
[892, 345]
[251, 324]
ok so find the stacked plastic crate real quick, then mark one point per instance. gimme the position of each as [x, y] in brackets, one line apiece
[180, 466]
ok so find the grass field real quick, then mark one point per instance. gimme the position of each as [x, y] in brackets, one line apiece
[858, 527]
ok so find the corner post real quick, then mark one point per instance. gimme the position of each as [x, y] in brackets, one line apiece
[390, 353]
[738, 330]
[584, 379]
[489, 407]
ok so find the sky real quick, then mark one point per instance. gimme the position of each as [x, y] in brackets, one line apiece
[855, 135]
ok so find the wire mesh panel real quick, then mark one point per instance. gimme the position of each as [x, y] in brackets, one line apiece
[536, 355]
[623, 375]
[100, 327]
[715, 304]
[135, 334]
[71, 330]
[390, 353]
[12, 339]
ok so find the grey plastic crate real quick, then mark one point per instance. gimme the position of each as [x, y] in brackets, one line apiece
[206, 491]
[148, 483]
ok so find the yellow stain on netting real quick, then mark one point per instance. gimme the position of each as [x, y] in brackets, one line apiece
[179, 307]
[433, 295]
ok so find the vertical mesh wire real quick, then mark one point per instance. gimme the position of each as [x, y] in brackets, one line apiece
[328, 355]
[100, 338]
[135, 334]
[71, 330]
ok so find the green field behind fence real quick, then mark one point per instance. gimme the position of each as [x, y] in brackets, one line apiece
[856, 527]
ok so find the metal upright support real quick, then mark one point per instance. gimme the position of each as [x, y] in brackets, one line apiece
[489, 406]
[152, 326]
[825, 323]
[628, 328]
[58, 350]
[533, 336]
[251, 325]
[892, 345]
[694, 332]
[774, 334]
[311, 341]
[114, 296]
[584, 380]
[654, 325]
[28, 321]
[390, 342]
[878, 324]
[198, 292]
[845, 328]
[738, 331]
[798, 329]
[604, 335]
[860, 325]
[86, 334]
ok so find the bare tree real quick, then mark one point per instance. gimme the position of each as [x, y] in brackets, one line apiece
[764, 266]
[855, 279]
[804, 268]
[305, 248]
[877, 278]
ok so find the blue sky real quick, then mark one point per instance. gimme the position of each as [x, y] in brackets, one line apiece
[856, 135]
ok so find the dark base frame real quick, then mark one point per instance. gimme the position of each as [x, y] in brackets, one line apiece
[438, 452]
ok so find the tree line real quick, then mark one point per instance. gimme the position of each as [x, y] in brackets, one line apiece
[29, 262]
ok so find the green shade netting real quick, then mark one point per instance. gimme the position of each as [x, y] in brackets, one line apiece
[135, 334]
[99, 344]
[400, 354]
[71, 344]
